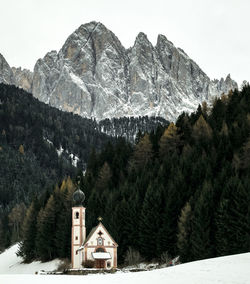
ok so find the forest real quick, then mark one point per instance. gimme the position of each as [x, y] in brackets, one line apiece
[183, 190]
[40, 146]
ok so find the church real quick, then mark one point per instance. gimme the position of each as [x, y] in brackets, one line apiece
[98, 247]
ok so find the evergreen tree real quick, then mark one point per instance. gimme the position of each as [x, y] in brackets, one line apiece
[170, 140]
[46, 246]
[232, 221]
[184, 232]
[149, 223]
[200, 238]
[142, 153]
[27, 248]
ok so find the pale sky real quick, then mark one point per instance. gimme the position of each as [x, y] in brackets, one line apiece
[214, 33]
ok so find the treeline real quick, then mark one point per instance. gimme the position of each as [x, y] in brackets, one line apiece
[131, 127]
[184, 189]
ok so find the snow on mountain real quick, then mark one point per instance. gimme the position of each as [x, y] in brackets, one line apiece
[93, 75]
[232, 269]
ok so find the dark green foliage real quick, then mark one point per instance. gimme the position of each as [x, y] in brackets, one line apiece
[233, 222]
[185, 191]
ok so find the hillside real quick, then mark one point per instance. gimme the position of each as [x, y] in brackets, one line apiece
[232, 269]
[10, 263]
[181, 190]
[41, 145]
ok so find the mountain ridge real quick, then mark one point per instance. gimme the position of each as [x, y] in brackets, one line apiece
[95, 76]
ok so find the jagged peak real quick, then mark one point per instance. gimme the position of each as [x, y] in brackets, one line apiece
[92, 26]
[162, 39]
[3, 59]
[20, 69]
[141, 37]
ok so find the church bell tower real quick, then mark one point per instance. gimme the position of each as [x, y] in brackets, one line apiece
[78, 234]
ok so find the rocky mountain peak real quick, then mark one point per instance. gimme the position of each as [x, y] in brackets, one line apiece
[162, 41]
[93, 75]
[6, 74]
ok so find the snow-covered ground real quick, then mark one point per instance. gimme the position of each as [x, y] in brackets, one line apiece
[223, 270]
[11, 264]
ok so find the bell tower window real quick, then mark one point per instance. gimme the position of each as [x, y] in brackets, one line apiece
[77, 215]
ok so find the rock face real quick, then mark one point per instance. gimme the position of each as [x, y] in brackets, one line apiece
[6, 74]
[93, 75]
[23, 78]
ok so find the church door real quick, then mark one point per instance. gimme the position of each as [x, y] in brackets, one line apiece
[100, 263]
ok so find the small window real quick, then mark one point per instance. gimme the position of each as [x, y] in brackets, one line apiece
[99, 241]
[76, 238]
[77, 215]
[76, 252]
[108, 264]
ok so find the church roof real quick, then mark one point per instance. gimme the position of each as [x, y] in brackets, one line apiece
[93, 231]
[90, 234]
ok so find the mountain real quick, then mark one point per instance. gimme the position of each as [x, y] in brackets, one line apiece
[93, 75]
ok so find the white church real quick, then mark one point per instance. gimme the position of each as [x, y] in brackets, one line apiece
[99, 246]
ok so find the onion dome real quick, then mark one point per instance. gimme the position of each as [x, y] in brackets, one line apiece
[78, 197]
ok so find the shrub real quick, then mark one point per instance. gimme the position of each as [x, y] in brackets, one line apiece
[88, 263]
[165, 258]
[64, 265]
[132, 257]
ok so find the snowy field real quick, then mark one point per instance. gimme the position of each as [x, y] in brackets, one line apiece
[223, 270]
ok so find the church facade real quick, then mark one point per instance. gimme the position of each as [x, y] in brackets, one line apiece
[98, 247]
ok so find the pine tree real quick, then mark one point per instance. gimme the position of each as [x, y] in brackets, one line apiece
[201, 129]
[27, 248]
[232, 219]
[142, 153]
[184, 232]
[149, 223]
[201, 245]
[170, 140]
[46, 247]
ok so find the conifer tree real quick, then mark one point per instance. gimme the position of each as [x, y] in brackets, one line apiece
[46, 247]
[232, 219]
[184, 232]
[170, 140]
[27, 248]
[149, 222]
[142, 153]
[201, 129]
[201, 245]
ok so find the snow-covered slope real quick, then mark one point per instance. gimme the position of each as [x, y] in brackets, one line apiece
[10, 263]
[224, 270]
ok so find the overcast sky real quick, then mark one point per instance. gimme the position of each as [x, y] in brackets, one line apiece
[214, 33]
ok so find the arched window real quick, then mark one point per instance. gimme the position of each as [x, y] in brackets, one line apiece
[77, 215]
